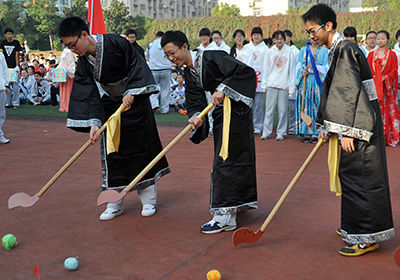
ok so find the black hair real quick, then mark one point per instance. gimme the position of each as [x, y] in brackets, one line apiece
[8, 30]
[52, 61]
[216, 32]
[41, 65]
[24, 69]
[350, 31]
[205, 32]
[276, 34]
[37, 73]
[178, 38]
[233, 49]
[288, 32]
[268, 42]
[384, 32]
[32, 67]
[397, 34]
[160, 34]
[256, 30]
[370, 32]
[72, 26]
[35, 60]
[321, 14]
[130, 31]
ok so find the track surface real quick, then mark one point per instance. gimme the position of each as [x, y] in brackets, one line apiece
[300, 242]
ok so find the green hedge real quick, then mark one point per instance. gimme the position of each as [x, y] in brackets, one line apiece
[364, 22]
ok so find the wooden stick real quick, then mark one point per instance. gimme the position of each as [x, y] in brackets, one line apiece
[291, 185]
[73, 158]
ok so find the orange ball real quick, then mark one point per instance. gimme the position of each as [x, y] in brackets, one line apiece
[213, 275]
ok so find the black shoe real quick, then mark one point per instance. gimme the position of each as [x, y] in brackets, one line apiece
[305, 140]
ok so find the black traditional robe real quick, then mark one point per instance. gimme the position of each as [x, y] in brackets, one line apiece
[233, 181]
[349, 107]
[99, 86]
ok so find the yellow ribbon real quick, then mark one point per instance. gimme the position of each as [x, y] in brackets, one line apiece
[114, 130]
[224, 152]
[333, 164]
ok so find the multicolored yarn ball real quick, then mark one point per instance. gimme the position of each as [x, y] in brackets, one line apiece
[213, 275]
[8, 241]
[71, 263]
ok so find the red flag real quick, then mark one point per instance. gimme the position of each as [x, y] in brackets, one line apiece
[96, 18]
[37, 271]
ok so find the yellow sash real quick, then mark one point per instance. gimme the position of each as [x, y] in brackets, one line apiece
[224, 152]
[333, 164]
[114, 131]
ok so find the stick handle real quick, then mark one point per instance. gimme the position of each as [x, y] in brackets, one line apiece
[303, 94]
[291, 185]
[73, 158]
[165, 150]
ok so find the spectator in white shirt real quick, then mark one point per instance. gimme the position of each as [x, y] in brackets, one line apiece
[160, 67]
[25, 84]
[206, 41]
[240, 50]
[4, 90]
[371, 43]
[278, 81]
[259, 49]
[40, 91]
[217, 38]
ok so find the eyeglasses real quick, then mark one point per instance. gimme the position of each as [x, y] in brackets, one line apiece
[171, 53]
[73, 46]
[312, 32]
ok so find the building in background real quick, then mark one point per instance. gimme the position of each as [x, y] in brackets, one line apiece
[168, 8]
[273, 7]
[62, 4]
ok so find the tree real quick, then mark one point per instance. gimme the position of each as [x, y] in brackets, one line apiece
[78, 9]
[382, 4]
[299, 11]
[225, 10]
[140, 23]
[117, 18]
[44, 12]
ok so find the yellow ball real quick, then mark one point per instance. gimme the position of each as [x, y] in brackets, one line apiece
[213, 275]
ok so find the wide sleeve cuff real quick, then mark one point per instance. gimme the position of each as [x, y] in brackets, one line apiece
[348, 131]
[150, 89]
[234, 95]
[83, 123]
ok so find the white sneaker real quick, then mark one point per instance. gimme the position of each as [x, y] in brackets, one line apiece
[113, 210]
[148, 210]
[4, 140]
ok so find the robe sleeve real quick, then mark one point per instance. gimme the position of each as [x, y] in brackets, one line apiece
[85, 109]
[239, 80]
[345, 106]
[140, 78]
[195, 102]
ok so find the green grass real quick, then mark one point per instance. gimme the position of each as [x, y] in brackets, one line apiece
[50, 112]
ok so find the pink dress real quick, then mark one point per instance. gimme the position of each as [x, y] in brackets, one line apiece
[67, 63]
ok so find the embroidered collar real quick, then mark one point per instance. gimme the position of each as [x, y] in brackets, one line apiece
[337, 38]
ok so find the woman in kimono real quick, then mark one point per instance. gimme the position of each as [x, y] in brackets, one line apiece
[349, 107]
[383, 64]
[110, 72]
[233, 175]
[67, 63]
[305, 72]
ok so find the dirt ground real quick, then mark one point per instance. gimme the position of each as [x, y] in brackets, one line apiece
[300, 242]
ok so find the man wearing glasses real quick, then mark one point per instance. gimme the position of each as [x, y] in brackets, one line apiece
[349, 107]
[110, 72]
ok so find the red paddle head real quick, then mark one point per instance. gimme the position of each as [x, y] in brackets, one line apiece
[110, 196]
[22, 199]
[397, 256]
[245, 235]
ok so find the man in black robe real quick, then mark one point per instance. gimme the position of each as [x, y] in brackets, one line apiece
[233, 176]
[111, 72]
[349, 107]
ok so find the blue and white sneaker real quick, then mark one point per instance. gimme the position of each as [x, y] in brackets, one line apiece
[215, 227]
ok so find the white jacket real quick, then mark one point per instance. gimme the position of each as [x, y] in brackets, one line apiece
[211, 47]
[245, 55]
[3, 72]
[224, 47]
[259, 53]
[279, 68]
